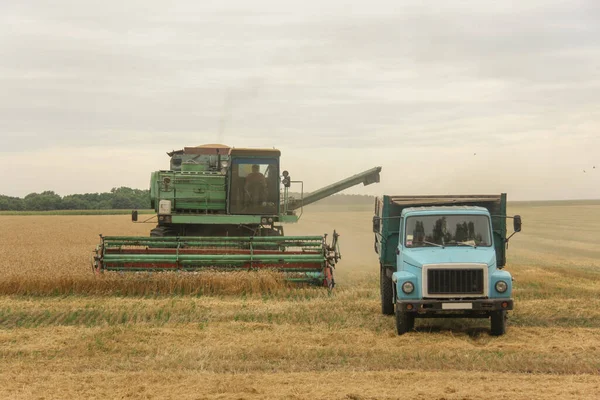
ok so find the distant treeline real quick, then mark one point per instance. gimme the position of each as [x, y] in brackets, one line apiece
[123, 198]
[117, 198]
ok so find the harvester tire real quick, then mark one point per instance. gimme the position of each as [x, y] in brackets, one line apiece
[387, 292]
[498, 322]
[161, 231]
[270, 232]
[405, 321]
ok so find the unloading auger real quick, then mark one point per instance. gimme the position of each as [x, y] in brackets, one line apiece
[221, 208]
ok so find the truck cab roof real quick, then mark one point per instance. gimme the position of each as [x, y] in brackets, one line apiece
[444, 210]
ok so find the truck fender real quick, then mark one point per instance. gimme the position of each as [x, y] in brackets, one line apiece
[399, 278]
[497, 276]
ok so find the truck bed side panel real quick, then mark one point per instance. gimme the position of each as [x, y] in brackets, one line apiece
[388, 234]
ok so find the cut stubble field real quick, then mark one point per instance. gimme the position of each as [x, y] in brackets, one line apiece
[66, 333]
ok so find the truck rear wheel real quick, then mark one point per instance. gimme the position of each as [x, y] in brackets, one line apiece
[405, 321]
[387, 294]
[498, 322]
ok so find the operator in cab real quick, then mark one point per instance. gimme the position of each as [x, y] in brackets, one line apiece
[256, 186]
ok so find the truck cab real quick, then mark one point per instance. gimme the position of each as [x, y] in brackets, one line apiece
[442, 260]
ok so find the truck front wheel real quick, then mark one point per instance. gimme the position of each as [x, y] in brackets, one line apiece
[405, 321]
[387, 294]
[498, 322]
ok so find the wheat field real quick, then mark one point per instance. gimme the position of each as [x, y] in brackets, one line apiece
[65, 333]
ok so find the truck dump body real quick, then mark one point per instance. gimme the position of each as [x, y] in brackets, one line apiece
[388, 210]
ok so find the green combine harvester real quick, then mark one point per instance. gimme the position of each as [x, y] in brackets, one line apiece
[222, 208]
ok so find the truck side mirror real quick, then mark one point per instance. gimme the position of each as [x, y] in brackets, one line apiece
[517, 223]
[376, 224]
[134, 215]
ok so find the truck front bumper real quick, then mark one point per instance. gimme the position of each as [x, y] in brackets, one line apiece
[475, 307]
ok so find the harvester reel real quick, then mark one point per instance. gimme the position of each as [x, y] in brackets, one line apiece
[302, 259]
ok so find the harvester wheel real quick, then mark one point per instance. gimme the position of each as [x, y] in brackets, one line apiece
[498, 322]
[405, 321]
[270, 232]
[387, 293]
[162, 231]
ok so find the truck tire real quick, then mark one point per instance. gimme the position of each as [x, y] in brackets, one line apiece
[387, 293]
[405, 321]
[498, 322]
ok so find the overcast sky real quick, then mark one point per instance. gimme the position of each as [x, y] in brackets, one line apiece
[450, 97]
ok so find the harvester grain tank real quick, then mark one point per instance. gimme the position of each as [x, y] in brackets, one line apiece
[222, 207]
[443, 256]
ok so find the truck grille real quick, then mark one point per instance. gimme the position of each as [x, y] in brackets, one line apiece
[455, 281]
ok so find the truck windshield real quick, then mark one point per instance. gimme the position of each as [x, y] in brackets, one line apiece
[447, 230]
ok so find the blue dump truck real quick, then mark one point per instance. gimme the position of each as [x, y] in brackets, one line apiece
[443, 256]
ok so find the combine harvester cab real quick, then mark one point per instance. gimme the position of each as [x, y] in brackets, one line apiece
[222, 208]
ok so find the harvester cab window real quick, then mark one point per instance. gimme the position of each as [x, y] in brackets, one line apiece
[254, 187]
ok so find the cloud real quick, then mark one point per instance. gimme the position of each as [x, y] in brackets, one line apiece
[391, 78]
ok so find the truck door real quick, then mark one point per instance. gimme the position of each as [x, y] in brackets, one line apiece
[399, 251]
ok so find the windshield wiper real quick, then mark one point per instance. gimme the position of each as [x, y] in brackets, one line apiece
[464, 244]
[433, 244]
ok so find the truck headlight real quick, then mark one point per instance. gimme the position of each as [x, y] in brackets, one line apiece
[408, 287]
[501, 286]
